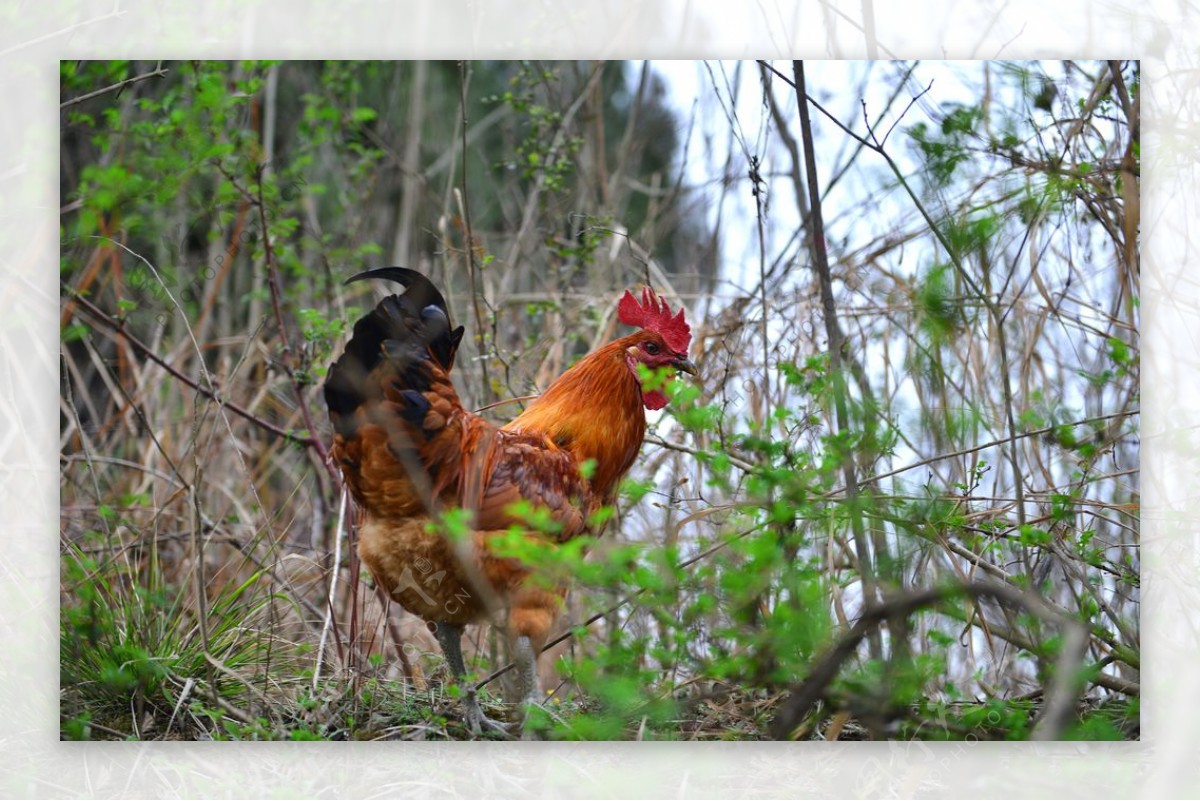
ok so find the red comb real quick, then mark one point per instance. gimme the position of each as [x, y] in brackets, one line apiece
[654, 314]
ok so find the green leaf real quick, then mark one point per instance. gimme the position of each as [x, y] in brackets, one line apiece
[1031, 535]
[75, 332]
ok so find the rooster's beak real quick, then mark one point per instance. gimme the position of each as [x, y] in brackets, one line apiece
[686, 366]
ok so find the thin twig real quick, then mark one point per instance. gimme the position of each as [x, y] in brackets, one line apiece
[115, 87]
[570, 631]
[837, 340]
[118, 327]
[333, 584]
[276, 303]
[472, 274]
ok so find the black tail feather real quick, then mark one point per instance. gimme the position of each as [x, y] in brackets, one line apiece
[404, 329]
[423, 298]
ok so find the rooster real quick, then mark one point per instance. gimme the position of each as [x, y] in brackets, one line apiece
[409, 452]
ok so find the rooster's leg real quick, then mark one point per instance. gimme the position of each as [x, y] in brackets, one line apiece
[525, 656]
[450, 637]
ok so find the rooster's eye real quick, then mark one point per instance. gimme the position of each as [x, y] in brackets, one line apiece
[652, 348]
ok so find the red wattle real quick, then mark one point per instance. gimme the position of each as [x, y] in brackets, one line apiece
[654, 400]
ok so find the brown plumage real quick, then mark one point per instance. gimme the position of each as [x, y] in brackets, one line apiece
[408, 450]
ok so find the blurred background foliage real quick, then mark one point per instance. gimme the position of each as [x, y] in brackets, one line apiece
[931, 531]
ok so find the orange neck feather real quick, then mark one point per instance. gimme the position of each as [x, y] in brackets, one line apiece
[595, 411]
